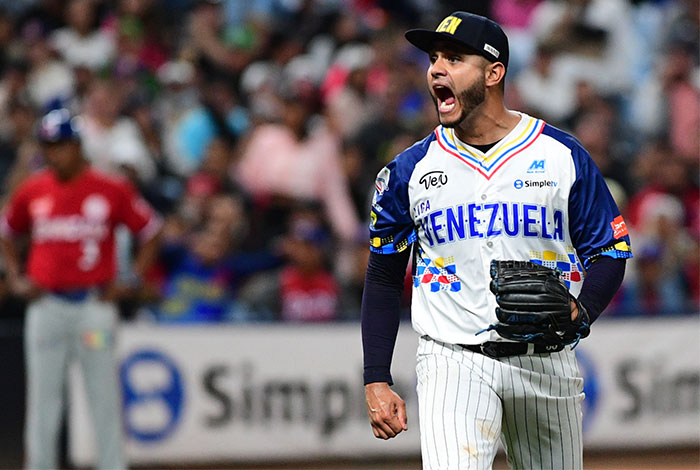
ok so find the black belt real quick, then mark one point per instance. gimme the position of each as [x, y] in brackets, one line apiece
[503, 349]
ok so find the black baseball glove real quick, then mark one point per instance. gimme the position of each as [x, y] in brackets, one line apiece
[534, 305]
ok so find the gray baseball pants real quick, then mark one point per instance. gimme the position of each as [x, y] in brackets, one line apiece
[59, 331]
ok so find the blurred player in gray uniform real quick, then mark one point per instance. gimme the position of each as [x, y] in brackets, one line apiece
[488, 184]
[70, 212]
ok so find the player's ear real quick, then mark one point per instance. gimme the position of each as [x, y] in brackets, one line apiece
[494, 74]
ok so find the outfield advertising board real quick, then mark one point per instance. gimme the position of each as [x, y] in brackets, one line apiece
[280, 392]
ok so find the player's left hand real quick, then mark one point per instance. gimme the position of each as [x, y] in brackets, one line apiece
[117, 291]
[126, 287]
[387, 411]
[535, 306]
[574, 310]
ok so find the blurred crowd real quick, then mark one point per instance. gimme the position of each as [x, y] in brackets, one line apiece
[256, 128]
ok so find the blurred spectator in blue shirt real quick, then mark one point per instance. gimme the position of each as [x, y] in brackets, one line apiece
[218, 114]
[653, 290]
[201, 274]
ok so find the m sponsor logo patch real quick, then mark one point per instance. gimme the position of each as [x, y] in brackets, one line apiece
[619, 227]
[537, 166]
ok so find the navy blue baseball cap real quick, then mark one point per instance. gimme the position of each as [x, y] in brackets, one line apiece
[482, 35]
[58, 125]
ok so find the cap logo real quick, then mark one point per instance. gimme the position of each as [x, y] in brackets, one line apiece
[449, 25]
[492, 50]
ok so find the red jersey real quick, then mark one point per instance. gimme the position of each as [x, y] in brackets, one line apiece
[71, 226]
[308, 298]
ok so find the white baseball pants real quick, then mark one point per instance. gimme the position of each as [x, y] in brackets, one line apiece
[467, 401]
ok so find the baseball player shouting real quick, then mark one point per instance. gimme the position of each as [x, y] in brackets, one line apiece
[70, 213]
[492, 202]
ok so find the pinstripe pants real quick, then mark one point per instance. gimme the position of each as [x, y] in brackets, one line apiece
[467, 401]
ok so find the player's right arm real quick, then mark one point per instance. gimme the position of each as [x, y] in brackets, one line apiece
[14, 222]
[391, 234]
[19, 284]
[381, 313]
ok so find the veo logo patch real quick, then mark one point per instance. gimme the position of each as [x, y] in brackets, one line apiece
[435, 178]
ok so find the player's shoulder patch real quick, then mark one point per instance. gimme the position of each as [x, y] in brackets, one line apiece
[381, 184]
[391, 225]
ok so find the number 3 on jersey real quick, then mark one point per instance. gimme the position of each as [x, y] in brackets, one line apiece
[89, 254]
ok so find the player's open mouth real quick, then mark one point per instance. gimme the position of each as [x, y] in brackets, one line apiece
[446, 100]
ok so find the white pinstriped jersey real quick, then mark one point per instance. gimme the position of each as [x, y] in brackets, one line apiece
[535, 195]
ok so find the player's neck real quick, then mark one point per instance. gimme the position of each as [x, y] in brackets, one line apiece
[490, 124]
[72, 173]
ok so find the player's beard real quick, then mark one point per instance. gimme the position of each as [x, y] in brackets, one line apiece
[468, 101]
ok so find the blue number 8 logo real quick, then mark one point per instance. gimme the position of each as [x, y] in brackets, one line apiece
[153, 395]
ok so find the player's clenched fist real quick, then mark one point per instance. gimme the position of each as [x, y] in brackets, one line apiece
[387, 411]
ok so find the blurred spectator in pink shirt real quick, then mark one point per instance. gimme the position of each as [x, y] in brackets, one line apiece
[683, 102]
[515, 17]
[298, 159]
[514, 13]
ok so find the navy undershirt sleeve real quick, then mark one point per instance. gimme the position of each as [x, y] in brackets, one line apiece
[381, 312]
[602, 281]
